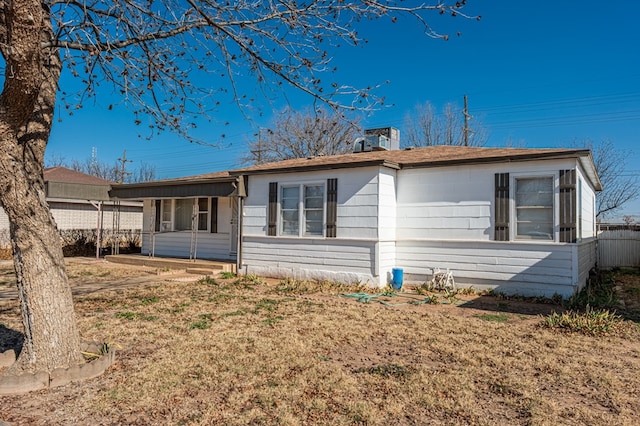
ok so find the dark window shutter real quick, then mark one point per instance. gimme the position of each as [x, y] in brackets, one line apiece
[158, 216]
[273, 209]
[214, 216]
[332, 207]
[568, 206]
[502, 207]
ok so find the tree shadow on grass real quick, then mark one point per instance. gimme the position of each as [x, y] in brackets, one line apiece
[512, 305]
[10, 339]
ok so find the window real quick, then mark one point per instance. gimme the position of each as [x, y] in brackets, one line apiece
[178, 214]
[183, 212]
[167, 218]
[313, 209]
[302, 204]
[289, 214]
[534, 208]
[203, 214]
[302, 209]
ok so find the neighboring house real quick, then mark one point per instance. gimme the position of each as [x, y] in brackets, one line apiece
[80, 202]
[515, 220]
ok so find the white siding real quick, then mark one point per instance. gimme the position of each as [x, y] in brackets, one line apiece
[357, 200]
[347, 261]
[387, 225]
[445, 203]
[513, 268]
[386, 261]
[456, 203]
[588, 207]
[353, 256]
[178, 244]
[387, 205]
[80, 215]
[587, 257]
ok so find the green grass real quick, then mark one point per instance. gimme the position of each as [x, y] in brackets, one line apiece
[386, 370]
[149, 300]
[203, 323]
[598, 293]
[128, 315]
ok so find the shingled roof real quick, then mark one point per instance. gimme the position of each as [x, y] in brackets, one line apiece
[433, 156]
[64, 175]
[61, 182]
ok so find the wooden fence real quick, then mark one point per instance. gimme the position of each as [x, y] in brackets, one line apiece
[618, 246]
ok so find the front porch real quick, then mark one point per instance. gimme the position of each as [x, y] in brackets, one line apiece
[201, 267]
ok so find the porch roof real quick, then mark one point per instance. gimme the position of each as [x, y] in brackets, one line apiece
[61, 182]
[219, 184]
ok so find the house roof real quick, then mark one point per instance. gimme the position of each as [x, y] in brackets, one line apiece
[61, 182]
[433, 156]
[62, 174]
[231, 182]
[416, 157]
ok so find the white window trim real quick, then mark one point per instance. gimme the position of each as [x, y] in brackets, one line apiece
[172, 222]
[169, 223]
[513, 215]
[208, 219]
[301, 215]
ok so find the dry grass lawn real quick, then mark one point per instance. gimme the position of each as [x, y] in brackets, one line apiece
[235, 352]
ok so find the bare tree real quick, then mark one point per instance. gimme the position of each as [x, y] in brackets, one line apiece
[619, 187]
[301, 134]
[111, 172]
[161, 57]
[145, 173]
[425, 127]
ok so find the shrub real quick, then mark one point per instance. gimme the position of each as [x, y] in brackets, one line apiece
[593, 322]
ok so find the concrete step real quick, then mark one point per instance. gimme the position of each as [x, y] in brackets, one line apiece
[211, 267]
[202, 271]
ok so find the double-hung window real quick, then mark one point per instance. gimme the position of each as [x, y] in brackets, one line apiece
[180, 214]
[166, 215]
[302, 210]
[534, 208]
[203, 214]
[183, 214]
[290, 210]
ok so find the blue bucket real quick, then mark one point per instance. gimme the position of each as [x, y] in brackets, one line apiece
[397, 275]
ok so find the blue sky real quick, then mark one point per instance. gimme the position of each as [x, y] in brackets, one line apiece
[539, 74]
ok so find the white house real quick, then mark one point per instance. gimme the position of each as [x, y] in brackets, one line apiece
[516, 220]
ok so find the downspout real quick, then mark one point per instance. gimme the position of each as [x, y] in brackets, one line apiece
[239, 235]
[240, 192]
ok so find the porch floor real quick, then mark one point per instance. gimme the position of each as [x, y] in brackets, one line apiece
[202, 267]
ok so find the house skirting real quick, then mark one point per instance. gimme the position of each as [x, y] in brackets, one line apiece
[528, 269]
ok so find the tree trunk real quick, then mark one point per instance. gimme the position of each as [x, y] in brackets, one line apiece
[51, 338]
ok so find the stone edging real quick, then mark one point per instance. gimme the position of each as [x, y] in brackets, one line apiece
[12, 385]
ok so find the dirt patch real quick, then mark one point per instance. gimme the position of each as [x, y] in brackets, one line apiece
[628, 290]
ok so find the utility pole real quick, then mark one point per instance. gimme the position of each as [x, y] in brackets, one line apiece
[123, 173]
[258, 152]
[465, 130]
